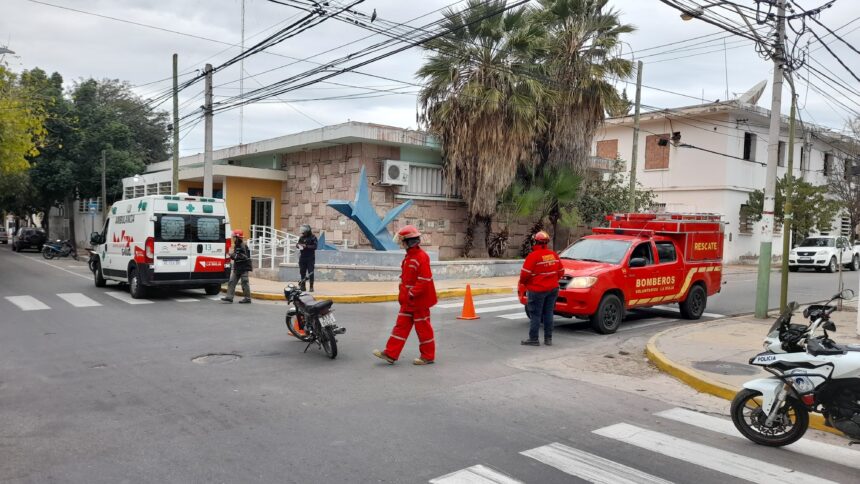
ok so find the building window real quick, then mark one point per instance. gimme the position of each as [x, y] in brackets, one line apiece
[745, 223]
[657, 152]
[749, 146]
[427, 180]
[780, 154]
[84, 204]
[128, 193]
[845, 227]
[607, 149]
[165, 188]
[658, 207]
[828, 164]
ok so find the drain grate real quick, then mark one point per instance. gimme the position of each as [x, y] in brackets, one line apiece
[215, 358]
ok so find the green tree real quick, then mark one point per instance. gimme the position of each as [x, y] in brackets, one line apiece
[601, 197]
[479, 101]
[813, 209]
[580, 38]
[21, 124]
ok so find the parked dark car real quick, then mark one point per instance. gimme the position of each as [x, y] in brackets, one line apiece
[4, 237]
[29, 238]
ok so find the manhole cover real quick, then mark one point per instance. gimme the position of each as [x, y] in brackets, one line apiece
[215, 358]
[725, 367]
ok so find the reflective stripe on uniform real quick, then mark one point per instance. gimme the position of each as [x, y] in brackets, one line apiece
[398, 337]
[425, 278]
[405, 315]
[422, 319]
[428, 341]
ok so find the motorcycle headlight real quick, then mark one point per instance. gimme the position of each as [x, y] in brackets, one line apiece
[582, 282]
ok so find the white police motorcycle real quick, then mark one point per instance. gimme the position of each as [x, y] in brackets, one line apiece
[812, 373]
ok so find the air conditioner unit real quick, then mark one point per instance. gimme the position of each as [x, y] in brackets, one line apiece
[395, 172]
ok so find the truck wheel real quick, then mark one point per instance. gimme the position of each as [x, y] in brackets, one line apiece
[694, 305]
[831, 268]
[855, 263]
[609, 314]
[135, 288]
[212, 289]
[98, 278]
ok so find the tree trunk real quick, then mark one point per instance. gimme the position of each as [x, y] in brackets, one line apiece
[526, 246]
[470, 237]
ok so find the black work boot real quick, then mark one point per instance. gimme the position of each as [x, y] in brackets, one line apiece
[530, 342]
[547, 341]
[247, 300]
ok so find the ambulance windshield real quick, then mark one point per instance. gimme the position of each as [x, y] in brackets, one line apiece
[597, 250]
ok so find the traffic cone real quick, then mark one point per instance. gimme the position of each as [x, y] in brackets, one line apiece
[468, 306]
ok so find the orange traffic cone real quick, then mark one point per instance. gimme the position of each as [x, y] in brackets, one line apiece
[468, 306]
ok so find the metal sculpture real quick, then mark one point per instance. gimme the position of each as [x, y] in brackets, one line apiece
[364, 215]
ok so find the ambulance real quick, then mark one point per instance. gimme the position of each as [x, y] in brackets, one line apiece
[172, 241]
[641, 260]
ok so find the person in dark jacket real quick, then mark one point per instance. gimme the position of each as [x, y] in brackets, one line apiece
[241, 257]
[307, 247]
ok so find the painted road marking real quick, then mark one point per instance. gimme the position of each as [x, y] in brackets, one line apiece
[833, 453]
[590, 467]
[521, 315]
[185, 299]
[676, 310]
[712, 458]
[126, 298]
[78, 300]
[495, 309]
[478, 474]
[480, 302]
[632, 326]
[27, 303]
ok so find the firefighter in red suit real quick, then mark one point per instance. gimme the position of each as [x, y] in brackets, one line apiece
[540, 275]
[417, 296]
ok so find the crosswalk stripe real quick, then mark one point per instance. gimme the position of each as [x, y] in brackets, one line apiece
[496, 309]
[514, 316]
[712, 458]
[78, 300]
[819, 450]
[27, 303]
[477, 474]
[590, 467]
[480, 302]
[126, 298]
[185, 299]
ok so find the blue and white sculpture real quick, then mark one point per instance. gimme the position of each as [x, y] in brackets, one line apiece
[362, 213]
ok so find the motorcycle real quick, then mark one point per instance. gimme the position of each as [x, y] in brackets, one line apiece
[59, 248]
[812, 373]
[311, 321]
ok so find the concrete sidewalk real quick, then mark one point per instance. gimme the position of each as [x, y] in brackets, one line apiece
[713, 357]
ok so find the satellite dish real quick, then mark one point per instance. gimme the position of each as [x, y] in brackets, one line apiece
[752, 96]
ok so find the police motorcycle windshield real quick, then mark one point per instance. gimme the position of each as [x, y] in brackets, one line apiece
[784, 316]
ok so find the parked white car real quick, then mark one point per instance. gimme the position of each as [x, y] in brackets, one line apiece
[824, 252]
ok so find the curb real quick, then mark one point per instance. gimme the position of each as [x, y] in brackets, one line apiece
[703, 384]
[374, 298]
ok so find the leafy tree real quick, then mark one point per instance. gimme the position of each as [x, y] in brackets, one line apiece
[21, 124]
[813, 210]
[476, 101]
[601, 197]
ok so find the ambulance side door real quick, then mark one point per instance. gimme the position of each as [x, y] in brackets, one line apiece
[639, 275]
[670, 271]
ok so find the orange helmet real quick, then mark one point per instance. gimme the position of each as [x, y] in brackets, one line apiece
[541, 237]
[409, 232]
[238, 233]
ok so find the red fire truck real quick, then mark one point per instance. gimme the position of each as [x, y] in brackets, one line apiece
[641, 260]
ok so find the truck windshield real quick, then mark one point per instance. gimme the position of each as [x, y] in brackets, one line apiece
[597, 250]
[818, 242]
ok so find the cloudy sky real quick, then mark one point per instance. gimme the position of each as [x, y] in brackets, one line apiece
[137, 42]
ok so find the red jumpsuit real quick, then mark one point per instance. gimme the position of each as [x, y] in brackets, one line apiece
[417, 296]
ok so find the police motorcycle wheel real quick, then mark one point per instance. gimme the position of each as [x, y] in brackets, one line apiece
[328, 341]
[750, 420]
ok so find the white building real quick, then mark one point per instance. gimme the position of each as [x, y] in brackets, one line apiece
[715, 157]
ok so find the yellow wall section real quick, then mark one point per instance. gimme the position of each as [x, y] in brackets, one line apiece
[240, 191]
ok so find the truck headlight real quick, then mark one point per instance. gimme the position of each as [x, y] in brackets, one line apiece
[582, 282]
[821, 252]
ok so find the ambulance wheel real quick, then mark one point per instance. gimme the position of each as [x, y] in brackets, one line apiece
[135, 288]
[694, 305]
[98, 278]
[609, 314]
[212, 289]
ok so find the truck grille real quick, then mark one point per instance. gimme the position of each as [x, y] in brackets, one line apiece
[806, 254]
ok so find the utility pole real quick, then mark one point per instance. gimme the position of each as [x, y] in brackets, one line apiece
[175, 183]
[635, 154]
[788, 215]
[242, 77]
[767, 219]
[207, 137]
[104, 188]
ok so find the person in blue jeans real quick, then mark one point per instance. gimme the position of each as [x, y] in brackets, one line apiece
[540, 275]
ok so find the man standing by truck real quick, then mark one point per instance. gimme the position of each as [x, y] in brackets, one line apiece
[241, 257]
[540, 274]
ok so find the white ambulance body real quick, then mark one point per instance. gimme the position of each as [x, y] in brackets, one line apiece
[165, 241]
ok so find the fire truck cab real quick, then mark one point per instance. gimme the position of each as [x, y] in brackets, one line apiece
[641, 260]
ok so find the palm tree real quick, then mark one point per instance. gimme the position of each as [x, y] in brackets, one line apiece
[580, 38]
[480, 99]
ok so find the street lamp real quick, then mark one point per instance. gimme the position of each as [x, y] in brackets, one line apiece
[5, 50]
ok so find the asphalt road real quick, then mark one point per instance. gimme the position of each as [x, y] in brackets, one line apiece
[95, 389]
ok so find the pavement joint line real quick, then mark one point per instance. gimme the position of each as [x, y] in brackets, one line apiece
[52, 265]
[704, 384]
[375, 298]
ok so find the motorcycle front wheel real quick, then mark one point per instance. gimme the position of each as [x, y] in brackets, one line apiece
[293, 328]
[47, 253]
[329, 343]
[789, 425]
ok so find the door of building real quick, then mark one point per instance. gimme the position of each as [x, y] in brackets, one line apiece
[261, 212]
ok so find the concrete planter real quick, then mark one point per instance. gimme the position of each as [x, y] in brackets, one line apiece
[442, 270]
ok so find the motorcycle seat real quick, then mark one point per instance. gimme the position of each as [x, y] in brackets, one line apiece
[320, 307]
